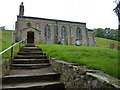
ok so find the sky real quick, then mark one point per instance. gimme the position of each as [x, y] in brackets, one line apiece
[95, 13]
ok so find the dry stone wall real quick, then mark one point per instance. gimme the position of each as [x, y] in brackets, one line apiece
[76, 77]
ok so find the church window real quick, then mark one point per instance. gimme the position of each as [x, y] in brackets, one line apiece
[63, 32]
[78, 33]
[28, 24]
[47, 32]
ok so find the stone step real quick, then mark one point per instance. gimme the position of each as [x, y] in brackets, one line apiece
[27, 50]
[30, 70]
[30, 48]
[29, 45]
[30, 57]
[30, 78]
[31, 53]
[29, 66]
[29, 61]
[35, 85]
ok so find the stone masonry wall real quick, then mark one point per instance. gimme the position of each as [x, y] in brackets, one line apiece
[38, 27]
[80, 77]
[4, 67]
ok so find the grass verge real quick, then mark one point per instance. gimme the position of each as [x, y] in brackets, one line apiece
[103, 59]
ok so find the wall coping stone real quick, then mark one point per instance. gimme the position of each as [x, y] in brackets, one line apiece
[101, 76]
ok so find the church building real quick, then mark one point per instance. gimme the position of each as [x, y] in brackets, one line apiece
[43, 30]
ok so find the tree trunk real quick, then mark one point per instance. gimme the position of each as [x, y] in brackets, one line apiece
[119, 22]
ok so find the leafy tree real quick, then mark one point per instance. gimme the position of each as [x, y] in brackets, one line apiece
[99, 32]
[3, 28]
[107, 33]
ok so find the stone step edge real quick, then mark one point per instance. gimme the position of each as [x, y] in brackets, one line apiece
[29, 59]
[30, 56]
[30, 52]
[30, 64]
[30, 75]
[32, 84]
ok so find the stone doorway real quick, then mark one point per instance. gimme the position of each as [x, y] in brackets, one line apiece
[30, 37]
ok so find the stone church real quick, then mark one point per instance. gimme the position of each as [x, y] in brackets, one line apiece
[43, 30]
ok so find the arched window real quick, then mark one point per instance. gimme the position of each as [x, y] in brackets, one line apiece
[78, 34]
[47, 32]
[28, 25]
[63, 32]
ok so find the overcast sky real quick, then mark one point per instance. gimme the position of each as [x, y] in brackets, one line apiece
[95, 13]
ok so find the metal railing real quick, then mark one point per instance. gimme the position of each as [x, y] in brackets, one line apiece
[12, 46]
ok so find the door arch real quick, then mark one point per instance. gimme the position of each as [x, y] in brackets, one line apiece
[30, 37]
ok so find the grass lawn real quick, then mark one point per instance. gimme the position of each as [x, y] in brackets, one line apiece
[7, 54]
[6, 41]
[102, 42]
[103, 59]
[6, 35]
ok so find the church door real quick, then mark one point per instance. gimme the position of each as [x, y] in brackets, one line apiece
[30, 37]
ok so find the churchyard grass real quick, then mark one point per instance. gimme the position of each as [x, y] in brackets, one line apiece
[6, 41]
[102, 42]
[99, 58]
[7, 54]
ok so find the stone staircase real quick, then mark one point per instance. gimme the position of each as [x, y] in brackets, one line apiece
[31, 69]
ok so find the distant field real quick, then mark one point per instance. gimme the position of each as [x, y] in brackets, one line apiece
[103, 59]
[102, 42]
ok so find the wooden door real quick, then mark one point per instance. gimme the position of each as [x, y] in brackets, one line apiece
[30, 37]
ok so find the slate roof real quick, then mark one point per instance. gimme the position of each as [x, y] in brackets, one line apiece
[50, 19]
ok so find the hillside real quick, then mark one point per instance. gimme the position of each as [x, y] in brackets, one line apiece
[6, 35]
[102, 42]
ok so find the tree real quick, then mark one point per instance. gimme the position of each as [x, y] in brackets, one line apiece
[117, 11]
[3, 28]
[99, 32]
[107, 33]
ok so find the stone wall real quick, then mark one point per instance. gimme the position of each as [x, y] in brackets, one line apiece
[37, 25]
[91, 39]
[4, 67]
[75, 76]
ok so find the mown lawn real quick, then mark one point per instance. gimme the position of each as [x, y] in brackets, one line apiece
[102, 42]
[103, 59]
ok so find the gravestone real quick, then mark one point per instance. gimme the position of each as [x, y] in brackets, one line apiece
[112, 45]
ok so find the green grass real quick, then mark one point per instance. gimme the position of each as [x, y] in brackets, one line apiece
[102, 42]
[6, 35]
[103, 59]
[7, 54]
[6, 40]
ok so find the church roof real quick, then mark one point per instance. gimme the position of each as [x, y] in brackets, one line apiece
[49, 19]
